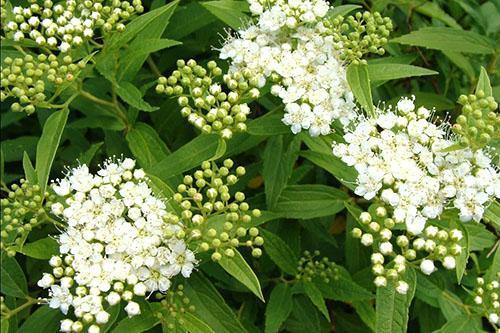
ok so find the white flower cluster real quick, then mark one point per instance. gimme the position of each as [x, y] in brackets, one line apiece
[119, 242]
[68, 23]
[291, 46]
[400, 157]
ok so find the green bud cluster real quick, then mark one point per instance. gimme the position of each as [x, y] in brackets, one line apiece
[485, 296]
[479, 122]
[359, 34]
[3, 12]
[394, 250]
[175, 304]
[216, 218]
[67, 24]
[310, 268]
[22, 210]
[209, 103]
[25, 78]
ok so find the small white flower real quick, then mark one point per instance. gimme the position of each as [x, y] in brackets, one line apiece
[132, 309]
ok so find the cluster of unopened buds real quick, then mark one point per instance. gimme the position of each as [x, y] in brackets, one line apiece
[22, 210]
[297, 48]
[119, 244]
[389, 262]
[359, 34]
[209, 104]
[24, 78]
[174, 304]
[486, 296]
[310, 268]
[479, 123]
[217, 220]
[68, 24]
[402, 160]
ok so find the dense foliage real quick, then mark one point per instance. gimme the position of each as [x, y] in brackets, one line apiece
[250, 166]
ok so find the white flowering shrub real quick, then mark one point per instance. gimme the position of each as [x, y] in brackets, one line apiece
[238, 166]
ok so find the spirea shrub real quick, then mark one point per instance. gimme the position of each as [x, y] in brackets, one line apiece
[238, 166]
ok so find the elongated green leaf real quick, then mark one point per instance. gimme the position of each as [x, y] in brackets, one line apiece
[358, 78]
[4, 325]
[228, 11]
[448, 39]
[483, 83]
[308, 318]
[341, 10]
[310, 201]
[29, 170]
[492, 214]
[479, 237]
[195, 325]
[133, 96]
[462, 323]
[392, 308]
[366, 312]
[87, 156]
[47, 145]
[268, 124]
[278, 166]
[347, 175]
[140, 323]
[432, 9]
[43, 248]
[191, 155]
[279, 308]
[492, 272]
[451, 305]
[462, 62]
[146, 145]
[280, 252]
[316, 298]
[210, 306]
[13, 282]
[44, 319]
[114, 313]
[181, 23]
[343, 288]
[239, 269]
[384, 72]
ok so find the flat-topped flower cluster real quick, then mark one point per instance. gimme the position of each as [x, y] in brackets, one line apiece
[120, 242]
[401, 158]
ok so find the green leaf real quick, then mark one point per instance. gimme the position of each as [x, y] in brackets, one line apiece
[4, 325]
[451, 305]
[114, 313]
[278, 166]
[280, 252]
[193, 324]
[13, 282]
[47, 145]
[462, 323]
[316, 298]
[343, 288]
[492, 214]
[101, 121]
[29, 170]
[241, 271]
[43, 248]
[392, 308]
[492, 272]
[146, 320]
[479, 237]
[483, 83]
[192, 154]
[279, 308]
[358, 78]
[433, 10]
[44, 319]
[366, 312]
[133, 96]
[448, 39]
[342, 10]
[146, 145]
[384, 72]
[210, 306]
[268, 124]
[345, 174]
[310, 201]
[463, 257]
[87, 156]
[182, 24]
[228, 11]
[461, 62]
[306, 315]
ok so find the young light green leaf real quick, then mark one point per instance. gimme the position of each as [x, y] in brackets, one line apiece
[44, 319]
[133, 96]
[392, 308]
[4, 325]
[241, 271]
[47, 145]
[279, 308]
[228, 11]
[29, 170]
[483, 83]
[193, 324]
[384, 72]
[316, 298]
[448, 39]
[146, 145]
[280, 252]
[358, 78]
[192, 154]
[210, 306]
[43, 248]
[12, 282]
[310, 201]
